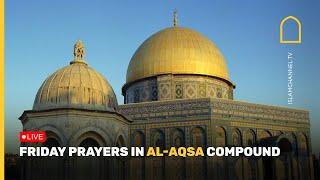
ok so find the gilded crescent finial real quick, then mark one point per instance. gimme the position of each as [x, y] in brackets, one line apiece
[175, 18]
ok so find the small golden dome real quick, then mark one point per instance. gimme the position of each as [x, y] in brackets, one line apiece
[177, 50]
[76, 86]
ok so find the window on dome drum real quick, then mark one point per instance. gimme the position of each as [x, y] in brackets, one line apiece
[154, 92]
[136, 95]
[179, 91]
[219, 93]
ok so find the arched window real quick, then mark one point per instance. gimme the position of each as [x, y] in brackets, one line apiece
[221, 137]
[177, 138]
[236, 137]
[294, 143]
[120, 163]
[250, 138]
[158, 164]
[198, 137]
[138, 139]
[158, 139]
[198, 165]
[303, 144]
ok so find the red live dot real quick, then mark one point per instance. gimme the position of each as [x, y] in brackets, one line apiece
[32, 136]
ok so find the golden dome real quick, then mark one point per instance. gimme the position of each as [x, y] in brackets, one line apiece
[76, 86]
[177, 50]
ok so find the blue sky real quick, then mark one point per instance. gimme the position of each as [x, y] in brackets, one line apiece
[39, 38]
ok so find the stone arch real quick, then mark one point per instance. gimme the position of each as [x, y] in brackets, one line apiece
[198, 165]
[177, 137]
[267, 167]
[54, 138]
[285, 145]
[120, 163]
[51, 142]
[137, 163]
[252, 170]
[286, 141]
[278, 133]
[287, 136]
[243, 168]
[120, 142]
[121, 135]
[198, 137]
[158, 139]
[91, 138]
[283, 163]
[264, 134]
[295, 168]
[158, 164]
[236, 137]
[89, 142]
[54, 132]
[294, 142]
[97, 133]
[238, 168]
[303, 143]
[92, 165]
[249, 137]
[281, 170]
[138, 139]
[220, 167]
[304, 160]
[221, 136]
[177, 165]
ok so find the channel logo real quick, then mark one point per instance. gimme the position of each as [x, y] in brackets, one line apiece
[33, 136]
[298, 24]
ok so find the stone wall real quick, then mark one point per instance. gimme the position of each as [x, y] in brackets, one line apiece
[218, 122]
